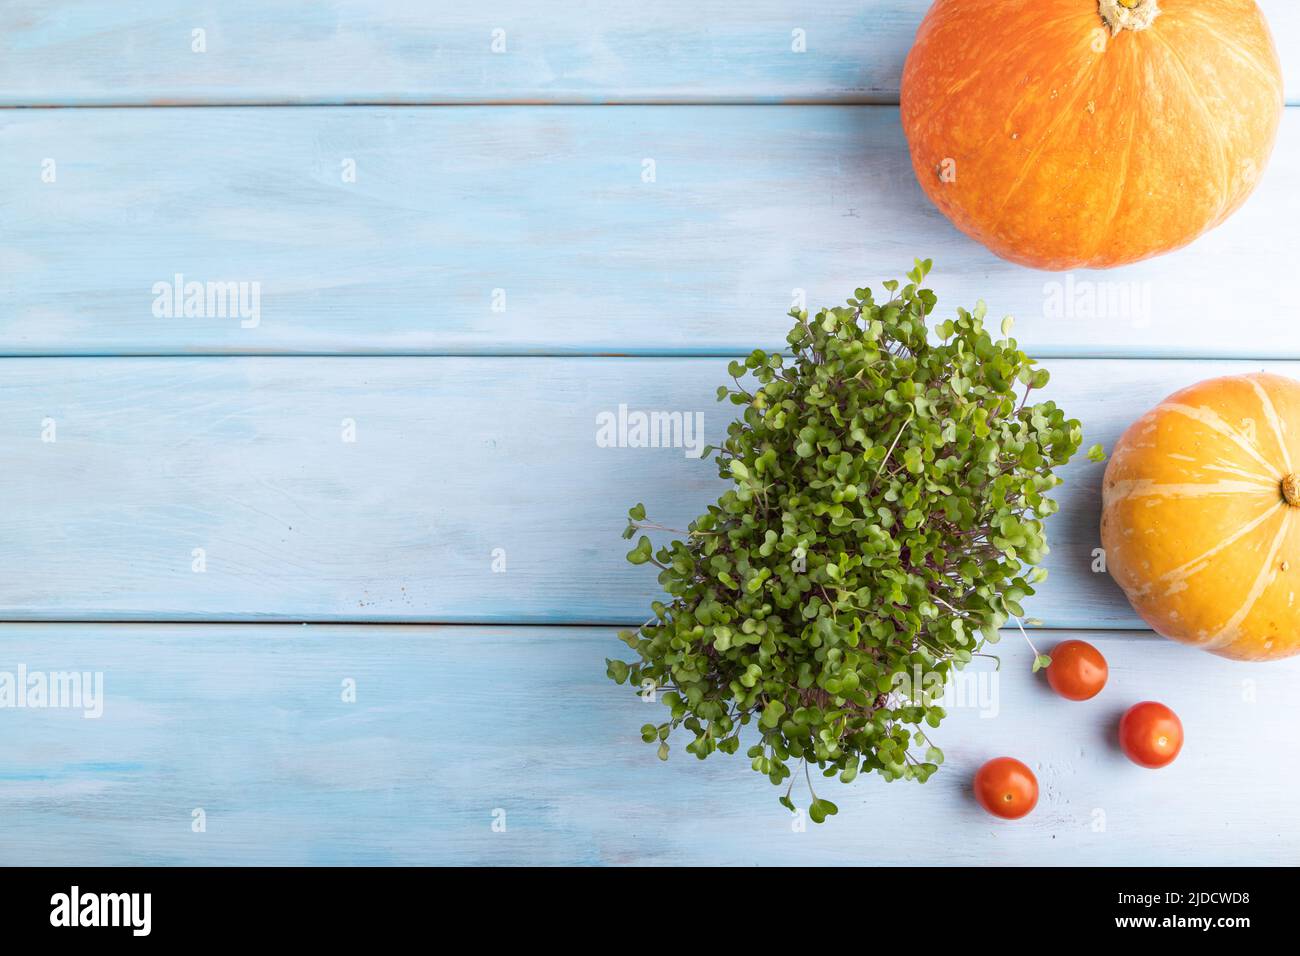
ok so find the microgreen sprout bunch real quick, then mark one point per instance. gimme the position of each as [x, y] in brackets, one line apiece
[884, 518]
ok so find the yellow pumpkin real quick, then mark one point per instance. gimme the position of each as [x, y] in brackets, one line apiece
[1090, 133]
[1201, 516]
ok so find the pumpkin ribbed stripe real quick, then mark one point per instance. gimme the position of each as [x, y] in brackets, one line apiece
[1212, 420]
[1274, 422]
[1228, 633]
[1177, 578]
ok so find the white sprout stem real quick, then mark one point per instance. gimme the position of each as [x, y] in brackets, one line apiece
[892, 447]
[1026, 636]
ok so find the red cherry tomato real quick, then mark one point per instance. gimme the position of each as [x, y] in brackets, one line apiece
[1006, 788]
[1078, 671]
[1150, 734]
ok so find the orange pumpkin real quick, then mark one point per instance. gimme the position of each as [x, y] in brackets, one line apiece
[1201, 516]
[1090, 133]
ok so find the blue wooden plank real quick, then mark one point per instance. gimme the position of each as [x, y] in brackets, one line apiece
[455, 728]
[95, 52]
[247, 459]
[510, 230]
[406, 51]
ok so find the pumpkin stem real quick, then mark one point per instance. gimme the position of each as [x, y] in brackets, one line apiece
[1128, 14]
[1291, 490]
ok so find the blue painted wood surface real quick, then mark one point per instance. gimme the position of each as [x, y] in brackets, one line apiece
[369, 292]
[406, 51]
[453, 460]
[453, 726]
[509, 230]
